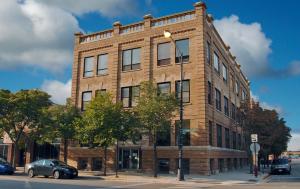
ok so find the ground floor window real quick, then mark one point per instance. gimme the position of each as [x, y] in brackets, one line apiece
[97, 164]
[235, 163]
[241, 162]
[163, 165]
[229, 164]
[129, 158]
[221, 165]
[3, 151]
[211, 166]
[185, 165]
[82, 164]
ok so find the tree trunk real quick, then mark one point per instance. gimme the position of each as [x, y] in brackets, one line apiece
[14, 154]
[66, 150]
[154, 157]
[105, 160]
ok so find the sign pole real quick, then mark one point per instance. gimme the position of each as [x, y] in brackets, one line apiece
[255, 161]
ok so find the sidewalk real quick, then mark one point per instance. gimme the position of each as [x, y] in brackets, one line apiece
[240, 176]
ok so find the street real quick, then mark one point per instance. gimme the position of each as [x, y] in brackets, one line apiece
[23, 182]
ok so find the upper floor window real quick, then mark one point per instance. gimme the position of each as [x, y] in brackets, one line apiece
[219, 136]
[185, 90]
[131, 59]
[244, 95]
[163, 54]
[225, 73]
[210, 130]
[208, 52]
[183, 47]
[237, 87]
[209, 92]
[216, 63]
[102, 64]
[227, 138]
[232, 84]
[86, 99]
[239, 142]
[218, 100]
[234, 140]
[226, 106]
[163, 138]
[186, 133]
[233, 112]
[164, 88]
[129, 96]
[88, 67]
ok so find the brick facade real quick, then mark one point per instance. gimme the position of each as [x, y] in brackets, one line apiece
[197, 26]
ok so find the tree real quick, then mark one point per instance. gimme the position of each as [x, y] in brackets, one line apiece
[21, 113]
[99, 123]
[273, 134]
[60, 124]
[155, 113]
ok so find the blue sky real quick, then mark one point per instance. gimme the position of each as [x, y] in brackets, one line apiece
[41, 57]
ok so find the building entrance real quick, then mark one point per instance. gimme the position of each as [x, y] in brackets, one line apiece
[129, 158]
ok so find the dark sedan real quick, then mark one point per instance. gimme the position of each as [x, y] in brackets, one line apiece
[281, 166]
[5, 167]
[49, 167]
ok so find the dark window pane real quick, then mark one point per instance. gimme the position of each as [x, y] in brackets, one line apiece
[185, 89]
[227, 138]
[210, 128]
[183, 46]
[88, 66]
[163, 165]
[164, 137]
[186, 134]
[219, 136]
[216, 63]
[209, 95]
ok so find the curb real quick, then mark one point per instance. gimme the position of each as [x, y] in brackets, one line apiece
[267, 176]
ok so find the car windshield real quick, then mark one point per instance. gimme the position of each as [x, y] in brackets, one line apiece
[60, 163]
[280, 161]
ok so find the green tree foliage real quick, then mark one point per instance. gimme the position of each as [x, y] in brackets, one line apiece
[21, 113]
[273, 134]
[105, 122]
[155, 113]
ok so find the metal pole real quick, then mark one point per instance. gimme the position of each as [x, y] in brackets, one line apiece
[180, 155]
[117, 158]
[255, 161]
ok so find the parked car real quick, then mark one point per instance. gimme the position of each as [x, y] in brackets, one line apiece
[51, 167]
[281, 166]
[5, 167]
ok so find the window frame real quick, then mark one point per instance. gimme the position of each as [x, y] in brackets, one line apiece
[225, 69]
[166, 61]
[218, 99]
[216, 63]
[209, 93]
[226, 106]
[132, 66]
[131, 97]
[185, 58]
[99, 63]
[208, 52]
[84, 67]
[84, 103]
[162, 83]
[210, 133]
[177, 92]
[186, 126]
[219, 136]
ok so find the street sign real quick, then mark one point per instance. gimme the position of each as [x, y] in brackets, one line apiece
[254, 147]
[254, 138]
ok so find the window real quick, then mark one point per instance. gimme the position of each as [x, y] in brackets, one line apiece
[208, 52]
[239, 142]
[97, 164]
[234, 140]
[237, 88]
[226, 106]
[218, 100]
[100, 92]
[225, 73]
[233, 111]
[163, 54]
[129, 96]
[86, 99]
[219, 136]
[131, 59]
[185, 90]
[183, 46]
[232, 82]
[227, 138]
[186, 134]
[164, 88]
[216, 63]
[163, 165]
[244, 95]
[163, 138]
[88, 67]
[210, 130]
[102, 64]
[209, 93]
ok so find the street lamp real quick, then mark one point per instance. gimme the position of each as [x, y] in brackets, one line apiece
[180, 175]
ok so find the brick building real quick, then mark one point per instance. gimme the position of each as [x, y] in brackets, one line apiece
[119, 59]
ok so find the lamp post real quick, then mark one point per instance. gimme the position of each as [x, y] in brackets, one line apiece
[180, 175]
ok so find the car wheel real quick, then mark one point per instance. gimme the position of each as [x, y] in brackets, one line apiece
[56, 174]
[31, 173]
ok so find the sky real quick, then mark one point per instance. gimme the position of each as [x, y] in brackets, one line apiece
[36, 43]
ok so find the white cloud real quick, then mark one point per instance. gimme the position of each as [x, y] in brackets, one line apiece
[248, 43]
[266, 105]
[109, 8]
[294, 144]
[59, 91]
[37, 35]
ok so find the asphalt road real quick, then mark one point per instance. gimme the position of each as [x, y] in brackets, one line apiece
[23, 182]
